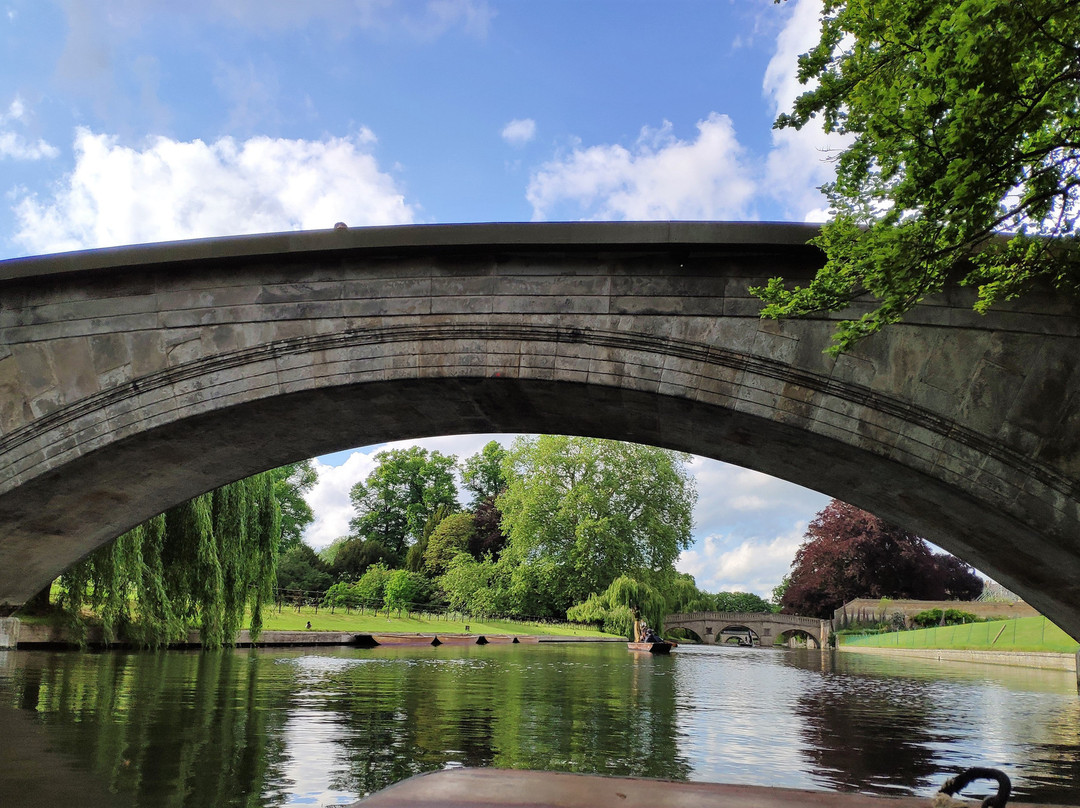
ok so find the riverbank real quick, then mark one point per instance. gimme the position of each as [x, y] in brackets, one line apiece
[323, 620]
[48, 636]
[1019, 659]
[309, 627]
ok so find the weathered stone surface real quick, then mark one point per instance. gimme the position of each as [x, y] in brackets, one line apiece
[134, 378]
[9, 632]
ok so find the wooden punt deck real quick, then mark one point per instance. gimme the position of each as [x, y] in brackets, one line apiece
[488, 788]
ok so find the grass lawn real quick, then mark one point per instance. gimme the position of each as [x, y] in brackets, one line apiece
[291, 620]
[1035, 634]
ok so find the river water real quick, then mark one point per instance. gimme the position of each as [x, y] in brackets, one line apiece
[321, 727]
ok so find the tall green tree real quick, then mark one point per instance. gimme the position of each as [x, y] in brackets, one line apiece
[483, 474]
[965, 119]
[451, 537]
[394, 503]
[593, 510]
[300, 568]
[291, 483]
[414, 559]
[357, 554]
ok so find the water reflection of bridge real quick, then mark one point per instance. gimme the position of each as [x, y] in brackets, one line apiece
[767, 628]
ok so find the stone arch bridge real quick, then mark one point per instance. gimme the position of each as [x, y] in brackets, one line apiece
[768, 627]
[132, 379]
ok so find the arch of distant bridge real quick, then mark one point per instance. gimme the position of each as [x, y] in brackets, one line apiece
[709, 626]
[134, 378]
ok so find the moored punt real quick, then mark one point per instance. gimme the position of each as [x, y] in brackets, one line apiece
[660, 647]
[488, 788]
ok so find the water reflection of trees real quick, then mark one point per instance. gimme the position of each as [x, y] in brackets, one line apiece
[547, 708]
[120, 717]
[180, 729]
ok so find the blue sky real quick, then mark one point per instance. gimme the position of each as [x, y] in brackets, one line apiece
[126, 121]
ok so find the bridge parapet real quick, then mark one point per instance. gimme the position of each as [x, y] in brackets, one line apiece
[757, 616]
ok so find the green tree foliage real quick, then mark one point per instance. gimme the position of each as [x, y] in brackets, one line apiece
[483, 472]
[291, 483]
[849, 553]
[404, 589]
[414, 559]
[451, 537]
[394, 503]
[355, 555]
[301, 568]
[616, 608]
[592, 510]
[343, 595]
[681, 594]
[372, 585]
[779, 590]
[202, 563]
[474, 586]
[740, 602]
[965, 119]
[329, 553]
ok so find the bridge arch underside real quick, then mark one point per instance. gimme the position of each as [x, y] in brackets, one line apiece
[739, 635]
[686, 633]
[131, 386]
[798, 634]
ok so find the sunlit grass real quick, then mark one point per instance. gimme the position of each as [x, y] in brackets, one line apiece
[290, 620]
[1033, 634]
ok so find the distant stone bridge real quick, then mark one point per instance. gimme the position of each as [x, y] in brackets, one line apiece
[766, 625]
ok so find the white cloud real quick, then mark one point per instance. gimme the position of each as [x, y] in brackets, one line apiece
[16, 112]
[519, 131]
[799, 162]
[175, 190]
[329, 498]
[659, 177]
[746, 502]
[719, 564]
[16, 147]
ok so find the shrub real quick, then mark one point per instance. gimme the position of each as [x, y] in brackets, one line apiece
[948, 617]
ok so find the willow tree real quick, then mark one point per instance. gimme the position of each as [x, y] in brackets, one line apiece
[621, 607]
[201, 564]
